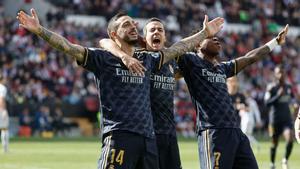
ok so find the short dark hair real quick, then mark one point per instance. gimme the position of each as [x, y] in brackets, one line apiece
[112, 25]
[152, 20]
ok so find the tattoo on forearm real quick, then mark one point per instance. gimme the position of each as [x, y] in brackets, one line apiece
[257, 54]
[252, 57]
[60, 43]
[185, 45]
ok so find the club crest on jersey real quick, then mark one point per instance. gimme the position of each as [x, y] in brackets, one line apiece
[155, 55]
[171, 68]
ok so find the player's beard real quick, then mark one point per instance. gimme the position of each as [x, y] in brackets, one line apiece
[130, 41]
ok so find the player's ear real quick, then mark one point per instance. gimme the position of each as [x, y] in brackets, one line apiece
[113, 35]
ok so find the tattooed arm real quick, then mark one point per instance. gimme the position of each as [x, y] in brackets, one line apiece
[183, 46]
[31, 23]
[62, 44]
[188, 44]
[259, 53]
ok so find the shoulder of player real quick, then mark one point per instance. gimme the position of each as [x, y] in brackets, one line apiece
[228, 61]
[144, 52]
[188, 56]
[99, 51]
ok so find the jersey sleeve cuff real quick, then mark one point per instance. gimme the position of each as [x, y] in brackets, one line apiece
[235, 67]
[85, 57]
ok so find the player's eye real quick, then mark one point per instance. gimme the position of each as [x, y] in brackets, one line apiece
[126, 24]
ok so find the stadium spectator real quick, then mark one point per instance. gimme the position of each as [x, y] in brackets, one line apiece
[25, 123]
[58, 124]
[43, 120]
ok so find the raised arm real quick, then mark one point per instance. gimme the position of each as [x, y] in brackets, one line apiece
[259, 53]
[130, 62]
[31, 23]
[188, 44]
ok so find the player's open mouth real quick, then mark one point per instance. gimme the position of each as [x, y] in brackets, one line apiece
[156, 41]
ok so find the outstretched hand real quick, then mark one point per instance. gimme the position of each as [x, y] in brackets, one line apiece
[282, 34]
[28, 22]
[213, 26]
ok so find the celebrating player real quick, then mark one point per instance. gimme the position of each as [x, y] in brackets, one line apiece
[128, 133]
[221, 142]
[162, 86]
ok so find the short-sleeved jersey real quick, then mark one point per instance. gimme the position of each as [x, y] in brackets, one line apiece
[124, 96]
[279, 104]
[162, 96]
[207, 86]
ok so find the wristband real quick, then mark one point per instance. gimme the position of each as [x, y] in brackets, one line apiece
[272, 44]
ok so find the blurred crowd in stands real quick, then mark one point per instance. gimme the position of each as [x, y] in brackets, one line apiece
[189, 12]
[41, 79]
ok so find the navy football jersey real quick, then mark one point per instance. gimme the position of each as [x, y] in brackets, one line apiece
[162, 96]
[279, 104]
[208, 90]
[124, 96]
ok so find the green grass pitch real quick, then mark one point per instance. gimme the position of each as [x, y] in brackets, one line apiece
[84, 153]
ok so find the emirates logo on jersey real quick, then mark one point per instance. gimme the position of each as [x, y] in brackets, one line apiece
[171, 68]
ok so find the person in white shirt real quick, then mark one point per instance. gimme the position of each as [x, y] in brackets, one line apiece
[251, 119]
[4, 118]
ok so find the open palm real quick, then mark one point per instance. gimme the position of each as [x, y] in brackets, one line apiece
[28, 22]
[213, 26]
[282, 34]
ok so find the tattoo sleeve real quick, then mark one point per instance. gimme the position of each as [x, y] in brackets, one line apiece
[185, 45]
[251, 57]
[62, 44]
